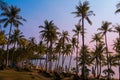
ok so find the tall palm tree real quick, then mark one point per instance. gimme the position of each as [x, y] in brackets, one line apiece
[78, 31]
[64, 38]
[97, 52]
[104, 29]
[73, 45]
[67, 51]
[50, 35]
[83, 11]
[11, 17]
[15, 40]
[87, 61]
[58, 49]
[41, 49]
[116, 47]
[97, 55]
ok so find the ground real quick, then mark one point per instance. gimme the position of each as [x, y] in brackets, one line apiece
[14, 75]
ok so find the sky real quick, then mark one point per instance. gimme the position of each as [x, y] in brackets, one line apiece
[37, 11]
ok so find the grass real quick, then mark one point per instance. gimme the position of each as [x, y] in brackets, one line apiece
[14, 75]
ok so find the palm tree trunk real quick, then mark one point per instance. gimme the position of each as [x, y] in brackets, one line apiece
[97, 67]
[119, 68]
[108, 66]
[46, 58]
[77, 71]
[13, 54]
[58, 62]
[70, 63]
[7, 59]
[50, 56]
[119, 60]
[100, 69]
[83, 53]
[62, 61]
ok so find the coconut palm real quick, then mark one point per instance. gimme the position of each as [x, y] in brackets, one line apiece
[41, 49]
[67, 51]
[77, 31]
[87, 61]
[73, 45]
[64, 38]
[104, 29]
[97, 55]
[117, 29]
[98, 50]
[112, 62]
[83, 11]
[116, 47]
[49, 34]
[97, 38]
[11, 17]
[58, 50]
[15, 40]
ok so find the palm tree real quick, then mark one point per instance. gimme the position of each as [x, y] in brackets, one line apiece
[112, 62]
[104, 29]
[117, 29]
[78, 31]
[83, 12]
[3, 42]
[97, 55]
[73, 45]
[87, 61]
[64, 38]
[50, 35]
[98, 50]
[41, 49]
[11, 16]
[67, 51]
[116, 47]
[23, 52]
[58, 49]
[15, 40]
[97, 38]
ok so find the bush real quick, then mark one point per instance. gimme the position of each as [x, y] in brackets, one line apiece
[46, 74]
[57, 76]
